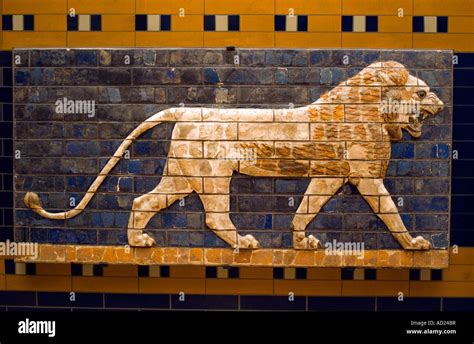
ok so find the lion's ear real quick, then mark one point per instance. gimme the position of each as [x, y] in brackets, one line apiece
[394, 131]
[393, 73]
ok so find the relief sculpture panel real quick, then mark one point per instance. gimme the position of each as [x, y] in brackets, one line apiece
[185, 149]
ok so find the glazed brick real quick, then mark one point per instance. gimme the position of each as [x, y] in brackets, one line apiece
[17, 298]
[432, 186]
[352, 204]
[63, 58]
[290, 186]
[76, 236]
[117, 58]
[436, 133]
[113, 237]
[432, 222]
[53, 299]
[137, 301]
[363, 222]
[238, 76]
[245, 185]
[402, 150]
[20, 58]
[283, 95]
[40, 183]
[165, 76]
[129, 95]
[5, 58]
[462, 132]
[302, 76]
[327, 222]
[344, 304]
[398, 186]
[436, 78]
[151, 57]
[205, 302]
[271, 303]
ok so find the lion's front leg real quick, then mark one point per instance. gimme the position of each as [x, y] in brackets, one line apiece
[319, 191]
[379, 199]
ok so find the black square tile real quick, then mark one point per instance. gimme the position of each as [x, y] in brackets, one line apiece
[7, 77]
[209, 23]
[418, 24]
[7, 22]
[234, 23]
[301, 273]
[96, 22]
[6, 94]
[436, 275]
[211, 272]
[72, 23]
[414, 274]
[143, 271]
[9, 267]
[302, 23]
[76, 269]
[164, 271]
[347, 23]
[30, 268]
[442, 24]
[98, 269]
[5, 58]
[141, 22]
[370, 274]
[28, 22]
[278, 273]
[347, 273]
[280, 23]
[165, 22]
[233, 272]
[371, 24]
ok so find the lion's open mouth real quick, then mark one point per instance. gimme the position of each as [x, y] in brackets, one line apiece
[416, 123]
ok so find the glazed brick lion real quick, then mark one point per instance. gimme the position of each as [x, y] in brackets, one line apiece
[343, 137]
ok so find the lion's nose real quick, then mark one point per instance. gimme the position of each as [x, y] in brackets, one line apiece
[440, 105]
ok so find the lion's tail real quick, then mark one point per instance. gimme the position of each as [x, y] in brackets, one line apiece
[32, 199]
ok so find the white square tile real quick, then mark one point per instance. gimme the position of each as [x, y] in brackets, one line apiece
[154, 22]
[222, 23]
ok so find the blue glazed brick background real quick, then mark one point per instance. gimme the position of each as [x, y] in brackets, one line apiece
[62, 154]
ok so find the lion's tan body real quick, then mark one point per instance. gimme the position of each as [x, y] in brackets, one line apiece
[319, 140]
[342, 137]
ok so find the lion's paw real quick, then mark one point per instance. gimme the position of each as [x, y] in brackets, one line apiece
[419, 243]
[248, 242]
[301, 242]
[141, 240]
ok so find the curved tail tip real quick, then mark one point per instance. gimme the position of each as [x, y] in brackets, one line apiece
[32, 200]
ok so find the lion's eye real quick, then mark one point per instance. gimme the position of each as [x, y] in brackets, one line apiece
[421, 94]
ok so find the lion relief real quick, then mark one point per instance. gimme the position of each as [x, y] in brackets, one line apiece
[343, 137]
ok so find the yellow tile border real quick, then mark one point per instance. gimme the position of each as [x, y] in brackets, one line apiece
[86, 254]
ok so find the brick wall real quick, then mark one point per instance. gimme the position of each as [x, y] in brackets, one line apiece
[450, 290]
[62, 153]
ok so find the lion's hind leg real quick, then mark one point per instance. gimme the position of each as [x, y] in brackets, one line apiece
[379, 199]
[169, 190]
